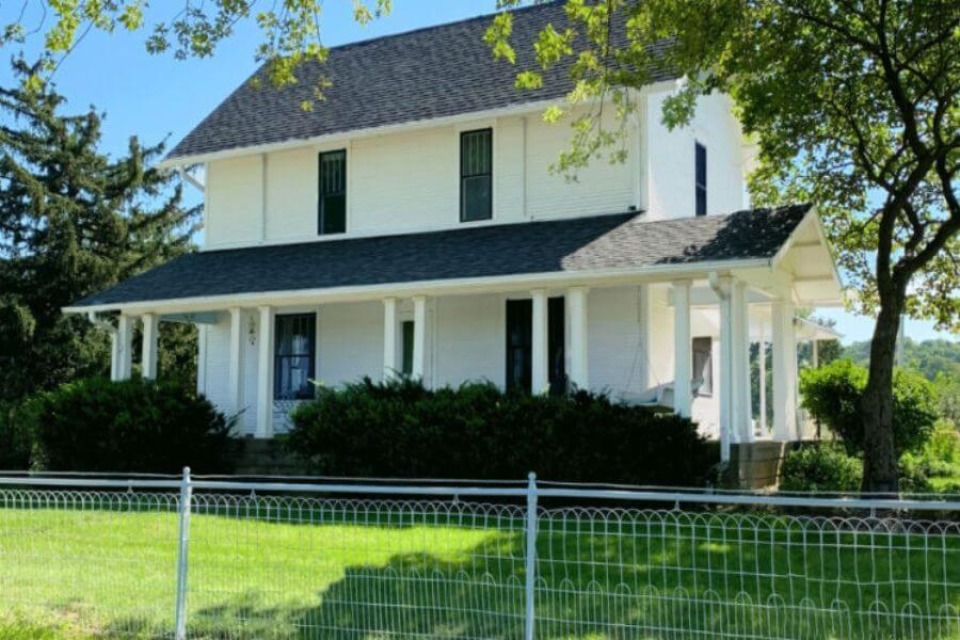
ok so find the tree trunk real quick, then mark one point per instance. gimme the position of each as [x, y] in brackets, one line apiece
[879, 453]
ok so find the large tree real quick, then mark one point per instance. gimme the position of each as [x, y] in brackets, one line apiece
[853, 104]
[72, 221]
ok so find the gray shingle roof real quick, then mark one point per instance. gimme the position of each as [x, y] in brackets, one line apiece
[622, 241]
[429, 73]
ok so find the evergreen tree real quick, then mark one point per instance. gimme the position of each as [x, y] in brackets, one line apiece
[73, 221]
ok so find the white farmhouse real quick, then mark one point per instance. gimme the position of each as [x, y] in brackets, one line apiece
[410, 223]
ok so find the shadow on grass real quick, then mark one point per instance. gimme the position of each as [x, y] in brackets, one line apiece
[419, 595]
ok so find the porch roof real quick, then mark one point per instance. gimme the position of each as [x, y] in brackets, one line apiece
[580, 246]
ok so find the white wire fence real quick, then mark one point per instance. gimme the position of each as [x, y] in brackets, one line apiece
[208, 558]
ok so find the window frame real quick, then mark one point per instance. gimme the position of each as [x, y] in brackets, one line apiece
[310, 355]
[464, 176]
[321, 196]
[700, 181]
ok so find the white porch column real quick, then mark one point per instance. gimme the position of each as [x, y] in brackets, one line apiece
[235, 393]
[579, 363]
[743, 428]
[114, 356]
[540, 364]
[683, 358]
[784, 372]
[724, 290]
[815, 349]
[124, 348]
[148, 353]
[265, 374]
[390, 367]
[419, 337]
[762, 364]
[643, 321]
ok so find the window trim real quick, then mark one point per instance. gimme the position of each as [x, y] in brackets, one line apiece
[320, 194]
[699, 185]
[463, 134]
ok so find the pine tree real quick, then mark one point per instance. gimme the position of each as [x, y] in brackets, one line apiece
[73, 220]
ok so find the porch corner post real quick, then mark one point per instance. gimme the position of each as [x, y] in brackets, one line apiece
[784, 372]
[762, 363]
[265, 374]
[683, 358]
[579, 355]
[419, 337]
[236, 359]
[723, 287]
[390, 367]
[539, 369]
[742, 414]
[151, 329]
[124, 348]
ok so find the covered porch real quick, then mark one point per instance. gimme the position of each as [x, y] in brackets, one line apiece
[665, 332]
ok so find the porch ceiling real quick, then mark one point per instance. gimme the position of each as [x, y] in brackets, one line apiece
[600, 246]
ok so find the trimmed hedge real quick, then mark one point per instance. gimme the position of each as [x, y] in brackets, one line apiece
[130, 426]
[401, 429]
[16, 441]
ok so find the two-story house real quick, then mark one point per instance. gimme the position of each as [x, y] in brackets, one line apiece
[410, 223]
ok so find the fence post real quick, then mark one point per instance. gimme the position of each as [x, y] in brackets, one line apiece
[183, 548]
[531, 559]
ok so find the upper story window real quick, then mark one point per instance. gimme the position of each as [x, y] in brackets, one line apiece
[476, 175]
[332, 214]
[295, 356]
[701, 179]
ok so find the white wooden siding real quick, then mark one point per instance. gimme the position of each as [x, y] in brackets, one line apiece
[671, 159]
[406, 182]
[234, 202]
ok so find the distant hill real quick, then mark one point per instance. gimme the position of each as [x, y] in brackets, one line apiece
[930, 357]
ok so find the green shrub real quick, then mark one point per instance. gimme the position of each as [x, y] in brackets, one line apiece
[16, 439]
[833, 395]
[130, 426]
[914, 474]
[401, 429]
[820, 467]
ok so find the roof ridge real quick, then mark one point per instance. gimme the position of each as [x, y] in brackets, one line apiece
[433, 27]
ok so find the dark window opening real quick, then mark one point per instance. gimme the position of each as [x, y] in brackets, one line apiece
[295, 356]
[703, 365]
[406, 347]
[556, 343]
[476, 175]
[701, 179]
[332, 215]
[520, 346]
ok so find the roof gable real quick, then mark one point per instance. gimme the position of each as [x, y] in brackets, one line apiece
[425, 74]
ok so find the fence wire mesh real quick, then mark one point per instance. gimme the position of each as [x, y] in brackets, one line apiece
[104, 564]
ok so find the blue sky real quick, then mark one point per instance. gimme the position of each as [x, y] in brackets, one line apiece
[158, 97]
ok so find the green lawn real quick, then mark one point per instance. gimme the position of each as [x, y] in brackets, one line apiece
[293, 570]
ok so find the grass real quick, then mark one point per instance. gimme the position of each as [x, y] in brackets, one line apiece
[299, 569]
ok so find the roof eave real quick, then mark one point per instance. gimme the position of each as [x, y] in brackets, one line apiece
[452, 286]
